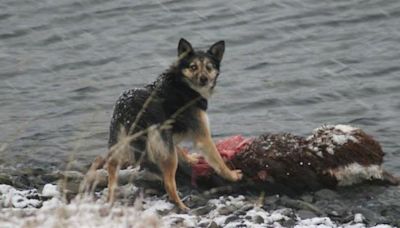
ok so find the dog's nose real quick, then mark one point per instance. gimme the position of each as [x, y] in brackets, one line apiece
[203, 80]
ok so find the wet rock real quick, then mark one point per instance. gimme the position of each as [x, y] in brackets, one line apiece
[345, 219]
[307, 198]
[226, 210]
[258, 219]
[271, 202]
[371, 217]
[11, 197]
[391, 212]
[288, 223]
[22, 182]
[299, 204]
[49, 177]
[213, 225]
[358, 218]
[194, 201]
[244, 209]
[305, 214]
[5, 179]
[203, 209]
[231, 218]
[336, 209]
[326, 194]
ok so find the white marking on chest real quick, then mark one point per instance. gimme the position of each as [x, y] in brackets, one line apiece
[206, 121]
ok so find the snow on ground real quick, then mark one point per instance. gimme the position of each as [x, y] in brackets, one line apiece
[19, 210]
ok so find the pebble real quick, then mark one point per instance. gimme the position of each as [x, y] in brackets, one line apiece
[258, 219]
[213, 225]
[226, 210]
[358, 218]
[244, 209]
[203, 209]
[305, 214]
[326, 194]
[307, 198]
[194, 201]
[5, 179]
[231, 218]
[335, 209]
[371, 217]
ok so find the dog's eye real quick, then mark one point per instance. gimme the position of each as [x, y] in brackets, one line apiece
[193, 67]
[210, 66]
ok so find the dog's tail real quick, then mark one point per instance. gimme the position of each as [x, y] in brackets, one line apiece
[119, 155]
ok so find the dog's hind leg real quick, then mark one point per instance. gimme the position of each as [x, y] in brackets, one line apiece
[161, 151]
[89, 182]
[168, 168]
[112, 168]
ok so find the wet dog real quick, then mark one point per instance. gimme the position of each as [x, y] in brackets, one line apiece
[155, 119]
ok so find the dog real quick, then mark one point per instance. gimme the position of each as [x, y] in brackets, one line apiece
[156, 118]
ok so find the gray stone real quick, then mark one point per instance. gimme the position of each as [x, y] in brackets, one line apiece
[288, 223]
[305, 214]
[5, 179]
[194, 201]
[213, 225]
[272, 199]
[231, 219]
[307, 198]
[299, 205]
[271, 202]
[203, 210]
[371, 218]
[226, 210]
[326, 194]
[258, 219]
[243, 210]
[336, 209]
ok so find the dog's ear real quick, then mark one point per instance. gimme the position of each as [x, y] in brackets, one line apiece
[217, 50]
[184, 47]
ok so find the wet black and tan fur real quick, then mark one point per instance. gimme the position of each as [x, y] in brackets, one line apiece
[181, 95]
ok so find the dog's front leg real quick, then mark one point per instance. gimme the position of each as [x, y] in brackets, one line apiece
[204, 142]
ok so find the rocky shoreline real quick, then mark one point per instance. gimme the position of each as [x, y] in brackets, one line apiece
[357, 206]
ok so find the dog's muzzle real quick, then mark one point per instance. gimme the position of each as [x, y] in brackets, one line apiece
[203, 80]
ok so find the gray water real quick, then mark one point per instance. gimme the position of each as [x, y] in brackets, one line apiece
[289, 66]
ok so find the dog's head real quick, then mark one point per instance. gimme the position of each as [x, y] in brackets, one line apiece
[200, 69]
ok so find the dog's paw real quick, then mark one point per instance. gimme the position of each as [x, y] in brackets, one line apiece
[183, 208]
[193, 159]
[236, 175]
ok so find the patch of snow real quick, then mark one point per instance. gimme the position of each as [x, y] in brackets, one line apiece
[345, 128]
[50, 190]
[358, 218]
[382, 226]
[153, 205]
[184, 220]
[11, 197]
[342, 139]
[86, 212]
[323, 222]
[356, 173]
[330, 150]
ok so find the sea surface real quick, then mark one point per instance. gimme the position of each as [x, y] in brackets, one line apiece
[289, 66]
